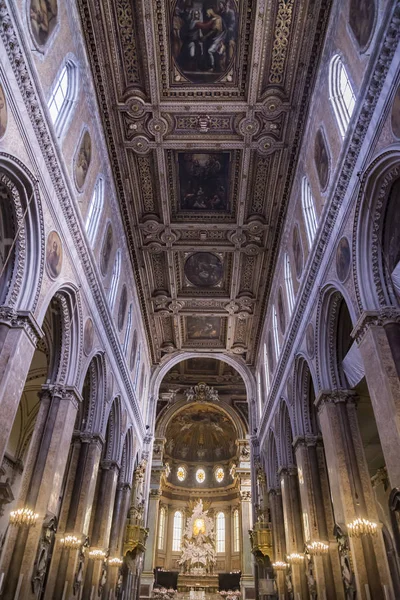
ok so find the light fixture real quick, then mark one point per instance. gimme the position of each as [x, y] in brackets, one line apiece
[296, 558]
[115, 561]
[280, 565]
[360, 527]
[97, 554]
[71, 541]
[23, 517]
[317, 548]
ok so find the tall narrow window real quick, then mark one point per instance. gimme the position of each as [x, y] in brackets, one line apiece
[161, 529]
[177, 531]
[220, 532]
[63, 96]
[341, 93]
[259, 393]
[266, 369]
[114, 279]
[309, 214]
[95, 208]
[275, 330]
[236, 531]
[128, 330]
[289, 284]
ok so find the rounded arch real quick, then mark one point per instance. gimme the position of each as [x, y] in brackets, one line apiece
[305, 417]
[334, 308]
[112, 434]
[26, 233]
[91, 411]
[285, 436]
[373, 283]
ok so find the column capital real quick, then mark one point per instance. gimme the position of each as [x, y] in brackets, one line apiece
[335, 397]
[245, 496]
[275, 491]
[86, 437]
[290, 470]
[377, 318]
[306, 441]
[21, 319]
[109, 465]
[64, 392]
[155, 493]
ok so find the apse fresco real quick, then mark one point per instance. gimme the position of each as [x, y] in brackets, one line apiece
[204, 37]
[203, 328]
[203, 181]
[204, 269]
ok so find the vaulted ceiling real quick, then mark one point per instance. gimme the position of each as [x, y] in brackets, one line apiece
[203, 105]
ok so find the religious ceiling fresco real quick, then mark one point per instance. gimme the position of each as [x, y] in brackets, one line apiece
[204, 104]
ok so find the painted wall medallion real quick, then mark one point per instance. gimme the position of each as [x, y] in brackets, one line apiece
[106, 250]
[54, 254]
[204, 269]
[3, 113]
[310, 340]
[82, 161]
[203, 328]
[343, 256]
[88, 336]
[396, 114]
[270, 355]
[204, 37]
[297, 251]
[133, 352]
[321, 159]
[43, 17]
[123, 303]
[281, 311]
[361, 20]
[203, 181]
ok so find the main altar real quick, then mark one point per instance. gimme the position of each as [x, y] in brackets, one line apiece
[198, 556]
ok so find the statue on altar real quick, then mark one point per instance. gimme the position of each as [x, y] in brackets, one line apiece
[198, 555]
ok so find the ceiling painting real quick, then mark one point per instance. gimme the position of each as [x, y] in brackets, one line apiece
[204, 269]
[203, 181]
[203, 328]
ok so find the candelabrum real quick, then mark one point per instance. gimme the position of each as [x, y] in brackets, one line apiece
[295, 558]
[23, 517]
[317, 548]
[360, 527]
[71, 541]
[115, 561]
[280, 565]
[97, 554]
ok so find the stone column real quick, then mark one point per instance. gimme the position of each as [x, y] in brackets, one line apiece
[40, 490]
[317, 515]
[278, 536]
[293, 527]
[351, 492]
[19, 334]
[75, 515]
[101, 526]
[147, 578]
[378, 337]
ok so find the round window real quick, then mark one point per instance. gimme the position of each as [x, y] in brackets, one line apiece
[200, 475]
[219, 474]
[181, 473]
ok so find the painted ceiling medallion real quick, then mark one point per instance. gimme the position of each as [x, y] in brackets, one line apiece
[204, 269]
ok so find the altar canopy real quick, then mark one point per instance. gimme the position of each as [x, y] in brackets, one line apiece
[198, 548]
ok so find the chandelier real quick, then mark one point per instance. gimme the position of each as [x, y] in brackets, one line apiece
[71, 541]
[360, 527]
[280, 565]
[97, 554]
[115, 561]
[296, 558]
[23, 517]
[317, 548]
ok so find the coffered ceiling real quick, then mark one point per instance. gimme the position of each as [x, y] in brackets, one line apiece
[203, 106]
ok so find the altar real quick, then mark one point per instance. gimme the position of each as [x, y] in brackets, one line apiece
[188, 582]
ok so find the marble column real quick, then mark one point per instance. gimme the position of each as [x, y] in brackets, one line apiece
[293, 527]
[147, 578]
[317, 515]
[40, 489]
[75, 514]
[246, 510]
[378, 338]
[351, 491]
[101, 527]
[278, 536]
[19, 334]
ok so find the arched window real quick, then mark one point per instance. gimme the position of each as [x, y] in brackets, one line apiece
[276, 334]
[128, 330]
[63, 95]
[114, 279]
[309, 214]
[341, 93]
[266, 370]
[177, 531]
[95, 208]
[236, 531]
[220, 532]
[289, 283]
[161, 529]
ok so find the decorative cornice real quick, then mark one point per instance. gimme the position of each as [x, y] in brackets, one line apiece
[374, 318]
[59, 178]
[21, 320]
